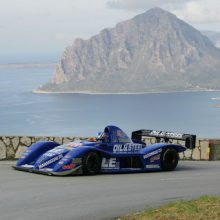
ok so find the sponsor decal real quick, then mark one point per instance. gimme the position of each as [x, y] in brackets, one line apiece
[166, 134]
[127, 147]
[69, 166]
[27, 166]
[73, 144]
[152, 153]
[47, 169]
[77, 160]
[25, 154]
[110, 163]
[42, 158]
[52, 160]
[155, 158]
[54, 151]
[152, 166]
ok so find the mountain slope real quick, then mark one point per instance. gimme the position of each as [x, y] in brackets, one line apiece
[213, 36]
[154, 51]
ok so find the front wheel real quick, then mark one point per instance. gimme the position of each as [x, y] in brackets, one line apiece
[91, 163]
[169, 159]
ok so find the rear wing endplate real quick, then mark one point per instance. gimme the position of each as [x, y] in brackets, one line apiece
[189, 139]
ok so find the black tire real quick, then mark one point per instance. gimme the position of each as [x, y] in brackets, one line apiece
[169, 159]
[91, 163]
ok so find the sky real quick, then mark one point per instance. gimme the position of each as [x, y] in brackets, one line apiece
[39, 30]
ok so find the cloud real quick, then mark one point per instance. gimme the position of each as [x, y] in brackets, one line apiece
[193, 11]
[31, 25]
[200, 11]
[48, 25]
[144, 4]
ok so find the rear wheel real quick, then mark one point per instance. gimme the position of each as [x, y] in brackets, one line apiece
[169, 159]
[91, 163]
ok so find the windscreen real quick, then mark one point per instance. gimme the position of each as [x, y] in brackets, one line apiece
[119, 136]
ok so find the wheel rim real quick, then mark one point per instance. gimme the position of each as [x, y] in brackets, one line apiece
[92, 163]
[170, 157]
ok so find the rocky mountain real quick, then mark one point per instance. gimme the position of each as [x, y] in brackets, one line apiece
[213, 36]
[154, 51]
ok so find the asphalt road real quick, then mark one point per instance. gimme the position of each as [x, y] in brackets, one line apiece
[28, 196]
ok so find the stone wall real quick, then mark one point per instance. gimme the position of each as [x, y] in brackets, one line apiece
[12, 147]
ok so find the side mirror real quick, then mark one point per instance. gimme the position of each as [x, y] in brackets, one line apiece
[99, 134]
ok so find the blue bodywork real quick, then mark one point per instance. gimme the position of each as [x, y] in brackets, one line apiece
[117, 152]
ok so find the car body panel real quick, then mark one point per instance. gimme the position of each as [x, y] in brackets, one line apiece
[118, 153]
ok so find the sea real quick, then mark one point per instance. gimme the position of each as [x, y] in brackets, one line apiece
[23, 112]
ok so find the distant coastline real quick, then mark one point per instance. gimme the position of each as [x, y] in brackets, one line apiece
[28, 65]
[85, 92]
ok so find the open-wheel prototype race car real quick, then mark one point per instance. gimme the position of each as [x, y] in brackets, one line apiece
[111, 152]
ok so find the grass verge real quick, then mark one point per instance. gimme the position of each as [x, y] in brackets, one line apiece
[204, 208]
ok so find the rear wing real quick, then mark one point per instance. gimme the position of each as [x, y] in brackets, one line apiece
[189, 139]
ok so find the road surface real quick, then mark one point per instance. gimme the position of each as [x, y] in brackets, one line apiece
[27, 196]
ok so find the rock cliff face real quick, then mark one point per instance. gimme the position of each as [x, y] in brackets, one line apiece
[154, 51]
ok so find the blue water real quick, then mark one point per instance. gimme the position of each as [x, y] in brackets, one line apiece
[25, 113]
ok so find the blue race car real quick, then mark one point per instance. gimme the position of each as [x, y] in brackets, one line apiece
[112, 152]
